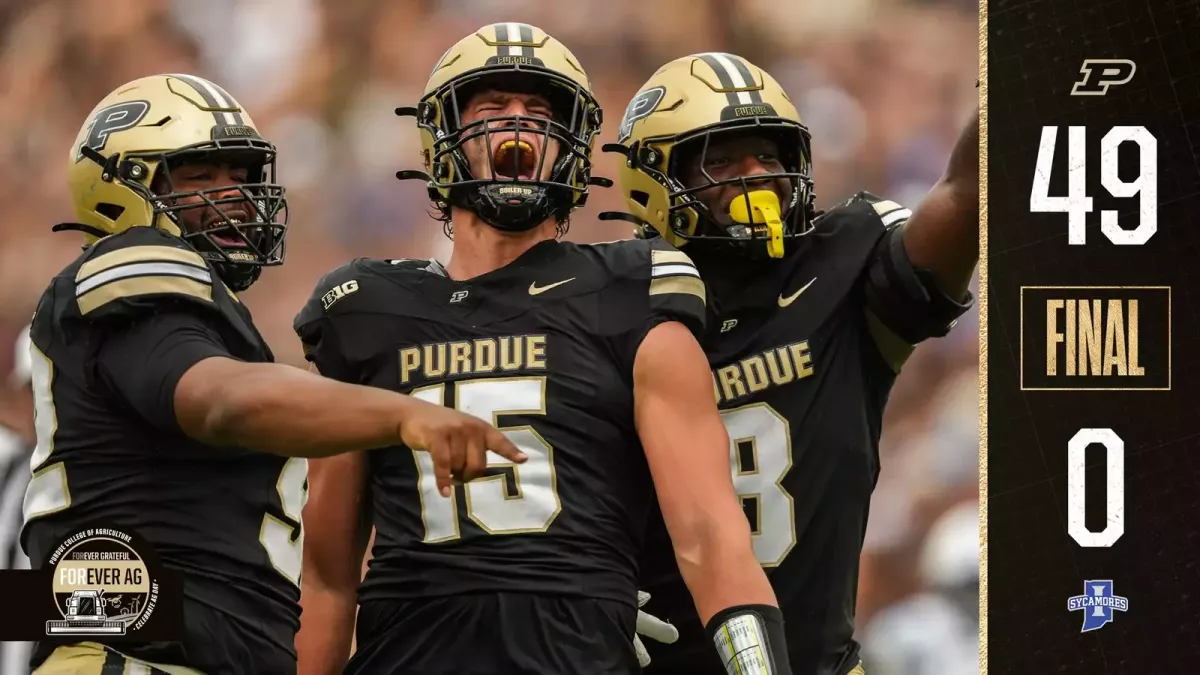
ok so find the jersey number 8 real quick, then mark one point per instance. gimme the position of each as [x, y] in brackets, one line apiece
[760, 454]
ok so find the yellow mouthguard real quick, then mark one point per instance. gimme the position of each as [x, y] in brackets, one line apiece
[509, 145]
[525, 159]
[761, 207]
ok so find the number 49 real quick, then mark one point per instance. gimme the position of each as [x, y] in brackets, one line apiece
[1077, 204]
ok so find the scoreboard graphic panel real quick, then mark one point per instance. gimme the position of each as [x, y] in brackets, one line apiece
[1093, 329]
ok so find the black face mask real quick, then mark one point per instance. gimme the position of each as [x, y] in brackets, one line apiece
[517, 197]
[237, 245]
[761, 226]
[238, 248]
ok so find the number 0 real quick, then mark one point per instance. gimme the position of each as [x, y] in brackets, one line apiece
[1114, 450]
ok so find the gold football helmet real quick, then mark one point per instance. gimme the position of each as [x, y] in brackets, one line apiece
[683, 108]
[120, 167]
[509, 57]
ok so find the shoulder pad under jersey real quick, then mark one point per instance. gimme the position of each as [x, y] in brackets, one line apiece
[334, 286]
[330, 292]
[138, 271]
[868, 211]
[404, 263]
[672, 282]
[341, 292]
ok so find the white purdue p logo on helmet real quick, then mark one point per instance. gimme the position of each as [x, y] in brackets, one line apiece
[640, 107]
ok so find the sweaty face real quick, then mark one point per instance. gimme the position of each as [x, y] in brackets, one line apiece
[735, 156]
[220, 181]
[512, 157]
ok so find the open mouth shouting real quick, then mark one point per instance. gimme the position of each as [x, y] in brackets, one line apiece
[515, 159]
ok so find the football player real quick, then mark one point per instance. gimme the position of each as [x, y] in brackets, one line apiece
[585, 358]
[16, 447]
[153, 390]
[810, 318]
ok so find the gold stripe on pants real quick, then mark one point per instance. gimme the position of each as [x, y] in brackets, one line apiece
[90, 658]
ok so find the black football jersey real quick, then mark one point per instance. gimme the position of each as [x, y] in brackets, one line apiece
[228, 519]
[544, 349]
[801, 382]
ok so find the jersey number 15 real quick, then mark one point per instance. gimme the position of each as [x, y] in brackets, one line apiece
[530, 504]
[760, 455]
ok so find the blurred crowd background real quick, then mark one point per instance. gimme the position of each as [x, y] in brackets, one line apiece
[884, 86]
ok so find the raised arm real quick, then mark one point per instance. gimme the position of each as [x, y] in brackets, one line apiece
[942, 236]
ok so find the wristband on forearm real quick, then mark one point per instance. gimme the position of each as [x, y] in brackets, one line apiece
[750, 640]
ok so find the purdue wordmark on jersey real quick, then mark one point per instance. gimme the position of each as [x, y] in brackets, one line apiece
[482, 356]
[543, 348]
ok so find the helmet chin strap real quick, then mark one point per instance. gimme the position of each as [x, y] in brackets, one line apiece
[237, 277]
[510, 207]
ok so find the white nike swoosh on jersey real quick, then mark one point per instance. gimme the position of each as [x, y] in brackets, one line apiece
[534, 289]
[784, 302]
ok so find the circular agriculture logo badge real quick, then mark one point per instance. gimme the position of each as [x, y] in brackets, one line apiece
[102, 586]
